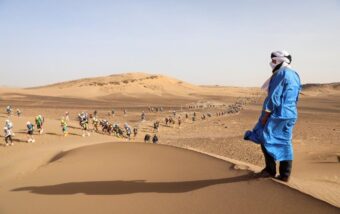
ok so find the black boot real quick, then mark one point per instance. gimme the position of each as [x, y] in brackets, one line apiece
[285, 170]
[270, 162]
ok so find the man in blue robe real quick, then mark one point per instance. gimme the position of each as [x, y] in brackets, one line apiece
[278, 117]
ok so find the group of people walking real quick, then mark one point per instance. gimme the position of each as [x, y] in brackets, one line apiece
[9, 133]
[84, 122]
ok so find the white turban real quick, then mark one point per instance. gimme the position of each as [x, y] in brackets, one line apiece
[282, 59]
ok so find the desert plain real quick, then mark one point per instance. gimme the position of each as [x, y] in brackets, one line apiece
[201, 166]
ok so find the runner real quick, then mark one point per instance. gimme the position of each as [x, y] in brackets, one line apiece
[84, 123]
[9, 110]
[8, 136]
[135, 132]
[30, 130]
[64, 127]
[39, 121]
[18, 112]
[147, 138]
[155, 139]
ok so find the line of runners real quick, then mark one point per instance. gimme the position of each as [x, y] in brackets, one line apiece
[103, 126]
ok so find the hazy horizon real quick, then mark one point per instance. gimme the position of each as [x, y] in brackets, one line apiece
[213, 42]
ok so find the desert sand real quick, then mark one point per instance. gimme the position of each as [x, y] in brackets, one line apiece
[203, 166]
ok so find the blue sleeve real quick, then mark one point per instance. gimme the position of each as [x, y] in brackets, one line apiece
[274, 97]
[290, 96]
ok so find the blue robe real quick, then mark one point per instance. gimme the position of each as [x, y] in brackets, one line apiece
[276, 134]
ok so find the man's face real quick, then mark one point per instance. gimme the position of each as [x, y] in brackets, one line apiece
[273, 61]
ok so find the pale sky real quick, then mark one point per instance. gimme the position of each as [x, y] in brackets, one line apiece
[199, 41]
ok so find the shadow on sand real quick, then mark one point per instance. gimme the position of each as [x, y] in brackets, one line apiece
[74, 134]
[62, 135]
[74, 127]
[19, 140]
[129, 187]
[52, 133]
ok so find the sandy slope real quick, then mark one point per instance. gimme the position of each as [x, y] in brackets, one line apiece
[316, 143]
[145, 178]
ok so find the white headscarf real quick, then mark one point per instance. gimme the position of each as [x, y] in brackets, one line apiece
[282, 58]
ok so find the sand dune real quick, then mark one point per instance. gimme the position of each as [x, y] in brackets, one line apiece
[321, 89]
[133, 85]
[145, 178]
